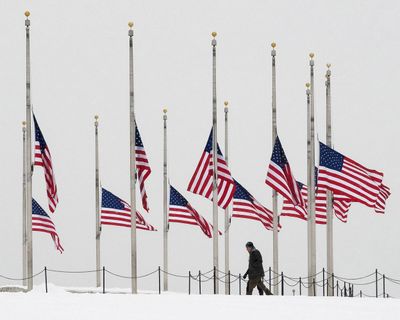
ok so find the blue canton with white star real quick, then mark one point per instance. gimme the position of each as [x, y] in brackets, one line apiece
[176, 199]
[330, 158]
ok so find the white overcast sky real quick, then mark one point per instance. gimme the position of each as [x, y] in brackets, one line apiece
[80, 68]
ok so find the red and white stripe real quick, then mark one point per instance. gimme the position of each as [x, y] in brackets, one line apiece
[244, 209]
[356, 182]
[201, 182]
[283, 181]
[383, 195]
[44, 160]
[341, 206]
[143, 170]
[122, 218]
[44, 224]
[188, 215]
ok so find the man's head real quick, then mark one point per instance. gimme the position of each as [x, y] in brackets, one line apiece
[249, 246]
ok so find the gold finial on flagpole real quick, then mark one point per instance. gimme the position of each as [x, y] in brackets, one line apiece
[273, 45]
[328, 65]
[130, 24]
[165, 110]
[214, 34]
[96, 119]
[24, 123]
[226, 103]
[311, 55]
[308, 85]
[27, 13]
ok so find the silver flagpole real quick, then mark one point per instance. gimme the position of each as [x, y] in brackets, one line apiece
[24, 271]
[97, 191]
[132, 172]
[329, 196]
[227, 211]
[29, 251]
[275, 220]
[165, 202]
[311, 180]
[215, 175]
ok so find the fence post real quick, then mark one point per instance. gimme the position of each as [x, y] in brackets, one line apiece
[323, 282]
[240, 284]
[282, 284]
[199, 282]
[314, 289]
[300, 285]
[159, 280]
[345, 290]
[333, 284]
[376, 282]
[360, 294]
[190, 275]
[45, 278]
[229, 282]
[269, 276]
[104, 279]
[337, 288]
[215, 280]
[384, 286]
[341, 292]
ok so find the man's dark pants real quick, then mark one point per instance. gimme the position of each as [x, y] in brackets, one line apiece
[257, 282]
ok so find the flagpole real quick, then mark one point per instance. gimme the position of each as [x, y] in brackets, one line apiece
[29, 251]
[311, 179]
[275, 220]
[97, 191]
[329, 196]
[165, 202]
[215, 174]
[132, 172]
[24, 217]
[227, 214]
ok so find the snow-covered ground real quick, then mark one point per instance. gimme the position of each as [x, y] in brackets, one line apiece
[59, 304]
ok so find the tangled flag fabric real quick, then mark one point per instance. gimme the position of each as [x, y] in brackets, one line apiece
[201, 182]
[42, 158]
[281, 178]
[41, 222]
[142, 167]
[245, 206]
[341, 206]
[346, 177]
[117, 212]
[180, 211]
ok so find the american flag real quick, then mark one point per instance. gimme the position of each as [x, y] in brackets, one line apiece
[341, 206]
[245, 206]
[380, 204]
[117, 212]
[280, 176]
[42, 158]
[142, 167]
[180, 211]
[202, 180]
[345, 177]
[41, 222]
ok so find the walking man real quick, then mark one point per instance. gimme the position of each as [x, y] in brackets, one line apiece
[255, 270]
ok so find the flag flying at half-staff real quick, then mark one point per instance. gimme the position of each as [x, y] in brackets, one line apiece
[142, 167]
[201, 181]
[42, 158]
[180, 211]
[245, 206]
[41, 222]
[117, 212]
[346, 177]
[281, 178]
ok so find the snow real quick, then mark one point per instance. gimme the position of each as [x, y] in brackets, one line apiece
[60, 304]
